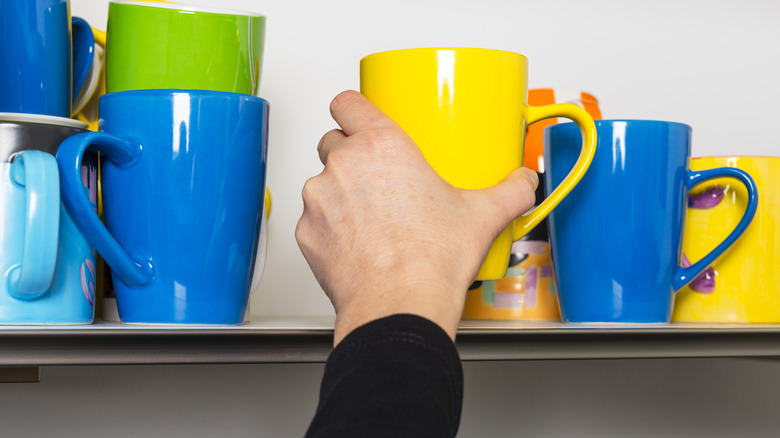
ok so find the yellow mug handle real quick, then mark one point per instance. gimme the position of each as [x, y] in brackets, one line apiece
[100, 36]
[267, 203]
[100, 39]
[524, 224]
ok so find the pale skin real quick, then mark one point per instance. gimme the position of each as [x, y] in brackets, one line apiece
[384, 234]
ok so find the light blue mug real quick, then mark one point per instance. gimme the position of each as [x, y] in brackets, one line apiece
[45, 57]
[47, 267]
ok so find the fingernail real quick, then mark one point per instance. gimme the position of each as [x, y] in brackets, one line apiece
[531, 175]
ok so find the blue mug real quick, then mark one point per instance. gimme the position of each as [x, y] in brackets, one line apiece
[45, 57]
[183, 180]
[47, 267]
[616, 239]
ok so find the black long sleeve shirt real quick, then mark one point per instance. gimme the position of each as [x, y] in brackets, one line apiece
[398, 376]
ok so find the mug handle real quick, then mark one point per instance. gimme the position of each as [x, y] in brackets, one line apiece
[100, 36]
[36, 172]
[686, 275]
[525, 223]
[83, 52]
[133, 269]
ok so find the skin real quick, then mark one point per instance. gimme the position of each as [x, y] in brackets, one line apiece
[384, 234]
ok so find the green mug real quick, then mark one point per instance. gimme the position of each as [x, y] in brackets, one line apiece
[154, 45]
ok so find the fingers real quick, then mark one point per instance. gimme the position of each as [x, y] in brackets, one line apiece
[354, 113]
[329, 141]
[510, 198]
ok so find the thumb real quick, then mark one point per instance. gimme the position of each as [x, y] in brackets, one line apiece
[510, 198]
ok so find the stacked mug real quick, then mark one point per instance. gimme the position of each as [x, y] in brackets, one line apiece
[47, 268]
[183, 142]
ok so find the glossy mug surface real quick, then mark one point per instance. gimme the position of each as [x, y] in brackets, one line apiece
[183, 176]
[19, 132]
[48, 267]
[742, 286]
[616, 239]
[466, 110]
[154, 45]
[46, 57]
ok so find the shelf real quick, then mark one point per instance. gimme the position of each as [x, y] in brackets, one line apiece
[308, 340]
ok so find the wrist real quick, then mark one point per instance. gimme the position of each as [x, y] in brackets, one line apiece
[442, 306]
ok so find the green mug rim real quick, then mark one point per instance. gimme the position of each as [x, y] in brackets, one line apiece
[188, 8]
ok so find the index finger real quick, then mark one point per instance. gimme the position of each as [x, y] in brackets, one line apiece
[354, 113]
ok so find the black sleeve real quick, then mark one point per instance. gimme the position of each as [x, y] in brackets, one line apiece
[398, 376]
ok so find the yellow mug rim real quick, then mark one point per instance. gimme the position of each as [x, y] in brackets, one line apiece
[437, 49]
[721, 157]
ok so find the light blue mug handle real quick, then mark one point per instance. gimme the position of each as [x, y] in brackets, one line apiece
[83, 53]
[36, 173]
[686, 275]
[133, 269]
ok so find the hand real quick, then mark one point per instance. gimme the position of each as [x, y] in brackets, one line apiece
[385, 234]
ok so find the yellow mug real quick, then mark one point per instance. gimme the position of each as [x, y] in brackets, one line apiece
[467, 111]
[743, 285]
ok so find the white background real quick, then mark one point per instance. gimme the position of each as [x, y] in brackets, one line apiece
[712, 64]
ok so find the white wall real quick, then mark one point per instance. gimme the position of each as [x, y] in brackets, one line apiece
[712, 64]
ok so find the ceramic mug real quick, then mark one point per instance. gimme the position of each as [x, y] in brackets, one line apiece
[527, 291]
[154, 45]
[466, 110]
[742, 286]
[46, 60]
[616, 239]
[183, 176]
[48, 268]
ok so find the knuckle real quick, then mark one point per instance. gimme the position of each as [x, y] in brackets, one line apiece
[336, 158]
[309, 191]
[324, 140]
[377, 138]
[301, 236]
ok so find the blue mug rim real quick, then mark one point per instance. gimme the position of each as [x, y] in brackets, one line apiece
[643, 122]
[168, 92]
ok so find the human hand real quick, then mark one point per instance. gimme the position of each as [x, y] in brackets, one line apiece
[384, 234]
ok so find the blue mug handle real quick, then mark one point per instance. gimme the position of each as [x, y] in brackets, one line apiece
[686, 275]
[132, 268]
[36, 172]
[83, 46]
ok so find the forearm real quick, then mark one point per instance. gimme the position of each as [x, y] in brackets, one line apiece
[396, 376]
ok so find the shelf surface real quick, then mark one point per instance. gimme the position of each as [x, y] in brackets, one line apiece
[309, 339]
